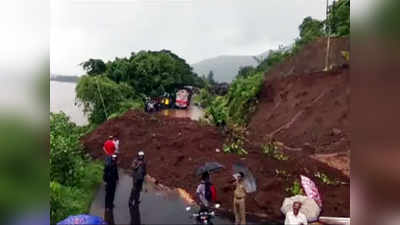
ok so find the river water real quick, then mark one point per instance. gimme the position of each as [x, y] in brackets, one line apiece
[62, 98]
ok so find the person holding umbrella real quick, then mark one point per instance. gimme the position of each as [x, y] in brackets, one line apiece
[295, 217]
[201, 189]
[239, 199]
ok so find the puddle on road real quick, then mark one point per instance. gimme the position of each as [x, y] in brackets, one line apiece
[156, 207]
[193, 112]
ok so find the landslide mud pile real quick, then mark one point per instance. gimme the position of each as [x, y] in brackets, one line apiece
[176, 147]
[308, 111]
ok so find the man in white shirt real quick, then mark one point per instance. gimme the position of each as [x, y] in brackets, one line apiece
[116, 144]
[295, 217]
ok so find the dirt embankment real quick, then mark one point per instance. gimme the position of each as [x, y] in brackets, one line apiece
[308, 110]
[175, 148]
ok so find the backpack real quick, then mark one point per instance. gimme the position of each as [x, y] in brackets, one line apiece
[211, 192]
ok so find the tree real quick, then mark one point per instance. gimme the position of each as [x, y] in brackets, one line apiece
[339, 18]
[153, 72]
[310, 29]
[275, 57]
[101, 97]
[245, 71]
[210, 78]
[94, 66]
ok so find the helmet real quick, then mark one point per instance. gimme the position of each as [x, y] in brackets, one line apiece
[141, 155]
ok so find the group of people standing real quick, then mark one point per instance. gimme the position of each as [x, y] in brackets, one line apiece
[293, 217]
[111, 177]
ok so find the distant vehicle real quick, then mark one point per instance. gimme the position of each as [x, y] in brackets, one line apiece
[166, 101]
[183, 97]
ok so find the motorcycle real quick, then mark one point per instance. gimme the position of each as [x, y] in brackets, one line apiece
[204, 216]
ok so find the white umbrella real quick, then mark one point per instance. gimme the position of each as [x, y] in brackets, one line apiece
[309, 207]
[249, 181]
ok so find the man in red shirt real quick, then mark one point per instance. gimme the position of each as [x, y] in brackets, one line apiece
[109, 146]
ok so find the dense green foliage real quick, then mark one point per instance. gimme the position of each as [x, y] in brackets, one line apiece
[295, 189]
[203, 98]
[23, 160]
[94, 66]
[150, 72]
[236, 106]
[246, 71]
[73, 176]
[122, 83]
[275, 57]
[339, 18]
[102, 97]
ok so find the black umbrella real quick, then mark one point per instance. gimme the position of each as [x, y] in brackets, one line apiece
[248, 180]
[209, 167]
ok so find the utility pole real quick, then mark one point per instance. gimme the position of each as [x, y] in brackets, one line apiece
[328, 30]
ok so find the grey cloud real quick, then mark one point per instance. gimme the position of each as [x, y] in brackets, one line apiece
[194, 30]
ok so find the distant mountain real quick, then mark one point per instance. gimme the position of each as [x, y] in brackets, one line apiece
[226, 67]
[64, 78]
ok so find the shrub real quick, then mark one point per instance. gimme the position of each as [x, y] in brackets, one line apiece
[131, 104]
[295, 189]
[236, 139]
[204, 98]
[101, 97]
[239, 103]
[73, 176]
[273, 151]
[327, 180]
[235, 147]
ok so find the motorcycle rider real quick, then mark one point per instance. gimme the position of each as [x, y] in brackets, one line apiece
[138, 176]
[201, 190]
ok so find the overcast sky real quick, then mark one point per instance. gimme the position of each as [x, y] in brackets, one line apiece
[193, 29]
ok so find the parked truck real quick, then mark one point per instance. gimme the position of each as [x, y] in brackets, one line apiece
[183, 97]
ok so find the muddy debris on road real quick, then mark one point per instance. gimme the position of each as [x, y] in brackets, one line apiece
[176, 147]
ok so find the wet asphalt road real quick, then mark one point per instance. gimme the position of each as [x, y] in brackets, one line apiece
[156, 207]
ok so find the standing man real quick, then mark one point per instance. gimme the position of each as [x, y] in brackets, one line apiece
[110, 177]
[138, 176]
[239, 199]
[109, 146]
[295, 217]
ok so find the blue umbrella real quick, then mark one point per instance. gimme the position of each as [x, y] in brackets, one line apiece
[82, 219]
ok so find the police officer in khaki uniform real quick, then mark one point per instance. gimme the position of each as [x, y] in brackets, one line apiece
[239, 200]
